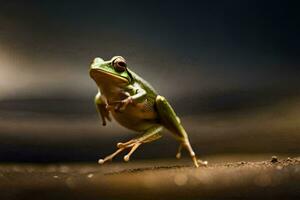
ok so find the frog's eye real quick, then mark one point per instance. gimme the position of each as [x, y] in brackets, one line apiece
[119, 64]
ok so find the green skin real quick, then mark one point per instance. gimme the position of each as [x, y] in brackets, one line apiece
[135, 105]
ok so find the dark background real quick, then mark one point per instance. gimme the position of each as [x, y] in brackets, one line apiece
[230, 69]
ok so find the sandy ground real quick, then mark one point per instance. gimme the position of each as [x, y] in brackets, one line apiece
[160, 179]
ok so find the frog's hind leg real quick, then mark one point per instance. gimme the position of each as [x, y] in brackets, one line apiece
[170, 120]
[150, 135]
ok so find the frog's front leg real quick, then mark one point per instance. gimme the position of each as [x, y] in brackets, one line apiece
[150, 135]
[139, 94]
[102, 107]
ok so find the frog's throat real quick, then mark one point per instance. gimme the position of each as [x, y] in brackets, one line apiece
[94, 72]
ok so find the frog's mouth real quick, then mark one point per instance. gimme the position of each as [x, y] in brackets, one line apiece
[100, 75]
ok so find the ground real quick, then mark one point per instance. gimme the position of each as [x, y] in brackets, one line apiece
[275, 178]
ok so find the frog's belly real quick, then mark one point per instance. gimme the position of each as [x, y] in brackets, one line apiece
[138, 117]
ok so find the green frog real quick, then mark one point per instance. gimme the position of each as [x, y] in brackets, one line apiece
[135, 104]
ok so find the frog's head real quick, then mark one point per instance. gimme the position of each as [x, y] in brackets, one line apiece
[113, 71]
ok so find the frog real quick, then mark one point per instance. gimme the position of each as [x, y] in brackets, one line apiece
[135, 104]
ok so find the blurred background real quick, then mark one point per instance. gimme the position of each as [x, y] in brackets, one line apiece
[229, 68]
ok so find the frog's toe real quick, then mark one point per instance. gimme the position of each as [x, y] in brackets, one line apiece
[133, 148]
[178, 155]
[101, 161]
[126, 158]
[126, 144]
[203, 163]
[110, 157]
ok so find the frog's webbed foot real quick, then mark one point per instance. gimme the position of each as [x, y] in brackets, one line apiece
[151, 134]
